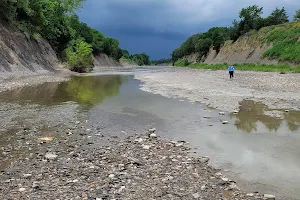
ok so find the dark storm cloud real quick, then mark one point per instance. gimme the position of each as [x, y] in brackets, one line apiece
[158, 26]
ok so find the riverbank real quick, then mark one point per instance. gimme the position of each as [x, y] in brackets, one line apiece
[11, 82]
[215, 89]
[241, 67]
[138, 167]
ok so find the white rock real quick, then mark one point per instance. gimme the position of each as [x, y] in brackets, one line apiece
[153, 135]
[152, 130]
[22, 189]
[219, 174]
[269, 197]
[204, 159]
[196, 195]
[98, 198]
[75, 181]
[139, 140]
[50, 156]
[225, 122]
[225, 179]
[27, 175]
[146, 147]
[250, 195]
[111, 176]
[203, 187]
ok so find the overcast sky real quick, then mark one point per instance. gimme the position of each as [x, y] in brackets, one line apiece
[157, 27]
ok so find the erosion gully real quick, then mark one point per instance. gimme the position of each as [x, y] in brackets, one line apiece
[260, 152]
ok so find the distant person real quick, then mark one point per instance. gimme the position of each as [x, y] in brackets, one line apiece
[231, 70]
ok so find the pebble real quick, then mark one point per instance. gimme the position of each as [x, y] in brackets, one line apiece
[269, 197]
[22, 189]
[225, 122]
[204, 159]
[196, 195]
[221, 113]
[203, 187]
[153, 135]
[250, 195]
[146, 147]
[111, 176]
[50, 156]
[27, 175]
[225, 179]
[152, 130]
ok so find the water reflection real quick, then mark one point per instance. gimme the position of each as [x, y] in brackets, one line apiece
[251, 113]
[84, 90]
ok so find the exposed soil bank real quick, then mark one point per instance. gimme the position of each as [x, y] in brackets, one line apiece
[215, 89]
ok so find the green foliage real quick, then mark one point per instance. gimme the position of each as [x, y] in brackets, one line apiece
[286, 46]
[242, 67]
[161, 61]
[278, 16]
[141, 59]
[250, 18]
[79, 55]
[297, 16]
[56, 21]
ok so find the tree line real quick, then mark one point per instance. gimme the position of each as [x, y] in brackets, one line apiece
[56, 21]
[249, 19]
[140, 59]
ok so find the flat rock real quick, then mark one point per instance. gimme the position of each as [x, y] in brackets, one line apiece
[269, 197]
[196, 195]
[50, 156]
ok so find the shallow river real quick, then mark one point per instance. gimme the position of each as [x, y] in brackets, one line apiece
[259, 151]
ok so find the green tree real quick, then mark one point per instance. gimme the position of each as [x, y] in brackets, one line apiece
[278, 16]
[297, 16]
[249, 18]
[79, 55]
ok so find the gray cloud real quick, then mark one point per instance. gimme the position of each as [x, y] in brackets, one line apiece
[164, 24]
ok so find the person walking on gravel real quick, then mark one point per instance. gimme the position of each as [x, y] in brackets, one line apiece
[231, 70]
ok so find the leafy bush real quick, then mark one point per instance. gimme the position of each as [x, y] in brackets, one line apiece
[79, 55]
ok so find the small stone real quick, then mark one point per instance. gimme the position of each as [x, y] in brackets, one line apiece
[204, 159]
[152, 130]
[98, 198]
[196, 195]
[219, 174]
[22, 189]
[250, 195]
[269, 197]
[77, 122]
[139, 140]
[235, 111]
[50, 156]
[153, 135]
[221, 113]
[75, 181]
[27, 175]
[146, 147]
[225, 179]
[225, 122]
[111, 176]
[70, 133]
[207, 117]
[203, 187]
[287, 111]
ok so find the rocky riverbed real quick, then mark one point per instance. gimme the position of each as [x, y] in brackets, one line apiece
[141, 166]
[215, 89]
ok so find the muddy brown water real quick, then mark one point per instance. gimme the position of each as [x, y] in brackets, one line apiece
[258, 150]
